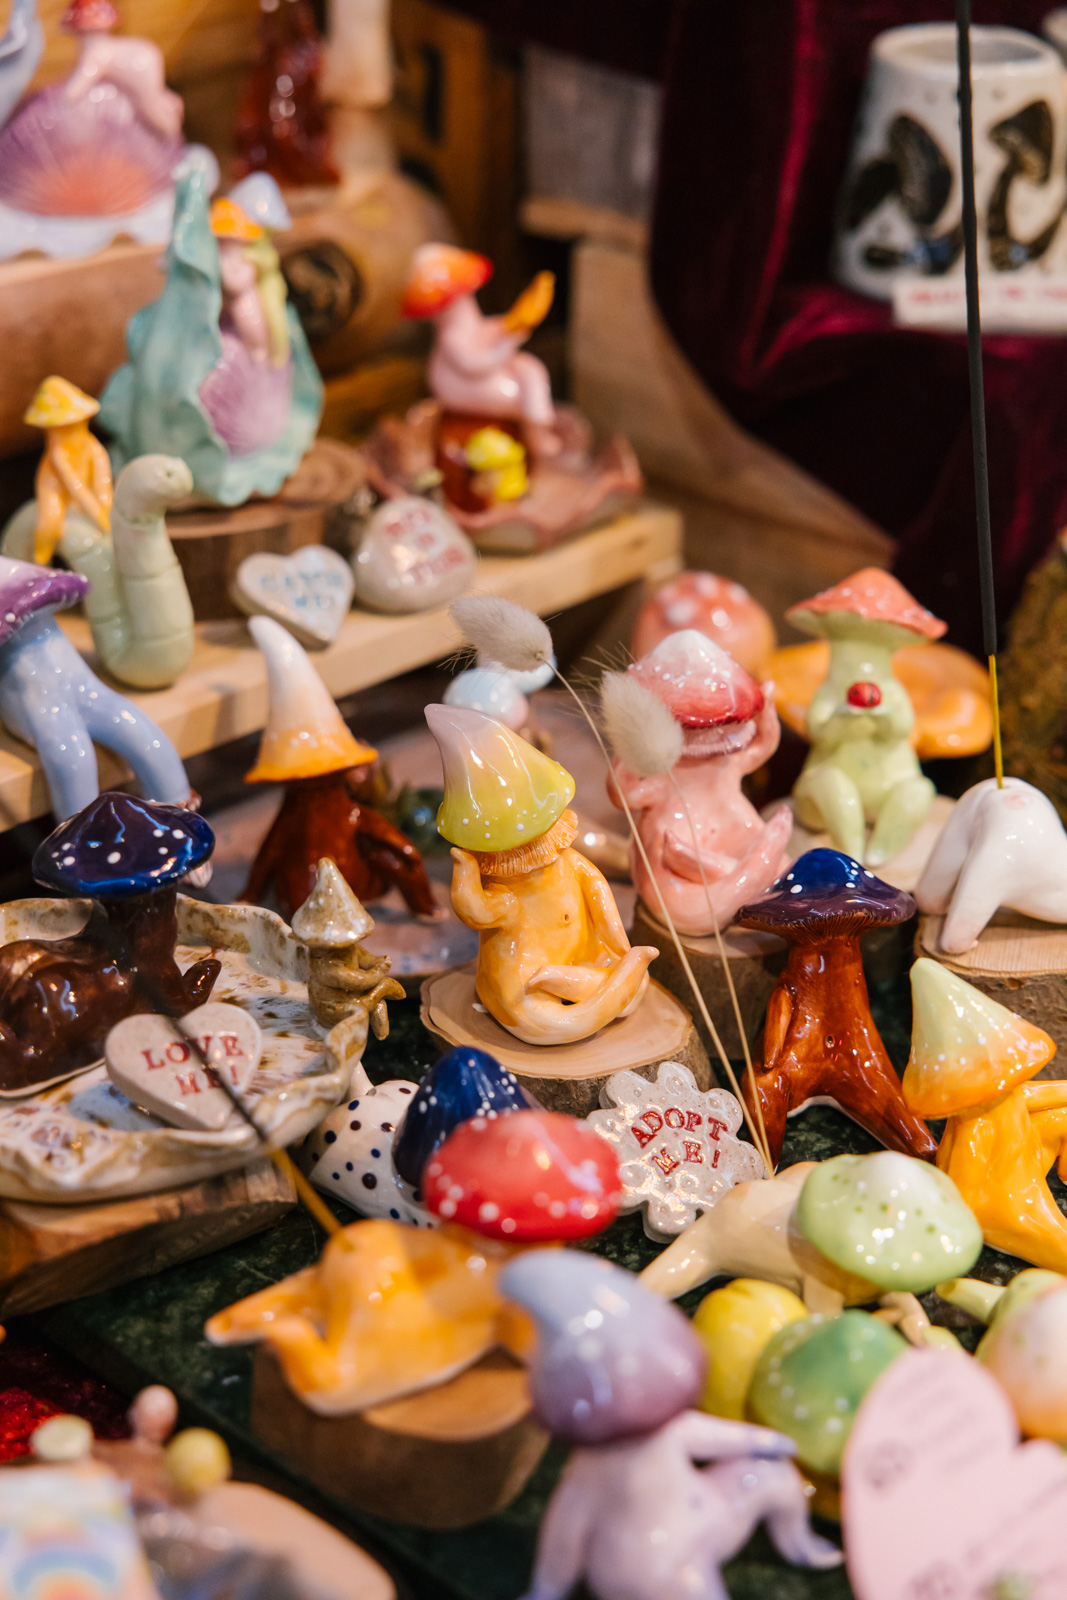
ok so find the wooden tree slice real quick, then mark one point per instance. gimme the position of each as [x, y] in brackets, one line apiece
[1019, 962]
[212, 541]
[755, 960]
[568, 1077]
[53, 1253]
[443, 1458]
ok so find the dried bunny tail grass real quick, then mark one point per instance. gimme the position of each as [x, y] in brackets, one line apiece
[503, 631]
[640, 729]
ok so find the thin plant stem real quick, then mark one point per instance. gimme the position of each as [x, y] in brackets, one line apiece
[757, 1106]
[669, 920]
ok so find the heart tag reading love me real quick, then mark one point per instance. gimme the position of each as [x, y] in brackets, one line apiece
[412, 556]
[940, 1500]
[308, 592]
[158, 1070]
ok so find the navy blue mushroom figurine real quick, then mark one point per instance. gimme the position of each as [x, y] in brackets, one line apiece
[59, 998]
[464, 1083]
[820, 1040]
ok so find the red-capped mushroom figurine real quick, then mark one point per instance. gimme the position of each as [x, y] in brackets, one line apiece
[820, 1041]
[696, 815]
[719, 607]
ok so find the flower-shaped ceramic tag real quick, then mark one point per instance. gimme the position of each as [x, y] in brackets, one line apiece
[675, 1144]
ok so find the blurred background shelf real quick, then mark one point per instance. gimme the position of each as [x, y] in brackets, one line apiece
[223, 694]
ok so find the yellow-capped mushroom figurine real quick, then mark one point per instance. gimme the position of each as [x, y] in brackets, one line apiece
[74, 471]
[554, 962]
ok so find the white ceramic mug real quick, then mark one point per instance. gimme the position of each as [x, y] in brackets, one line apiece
[899, 212]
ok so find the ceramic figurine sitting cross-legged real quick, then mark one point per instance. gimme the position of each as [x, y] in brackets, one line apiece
[554, 962]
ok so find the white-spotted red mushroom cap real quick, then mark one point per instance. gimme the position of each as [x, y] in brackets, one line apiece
[718, 607]
[533, 1175]
[28, 591]
[869, 601]
[698, 682]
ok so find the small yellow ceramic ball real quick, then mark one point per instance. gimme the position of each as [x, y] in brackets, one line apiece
[197, 1460]
[734, 1324]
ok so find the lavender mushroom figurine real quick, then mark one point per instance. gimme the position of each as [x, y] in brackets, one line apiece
[59, 998]
[615, 1373]
[51, 698]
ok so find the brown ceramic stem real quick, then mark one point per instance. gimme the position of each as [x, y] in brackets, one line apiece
[820, 1039]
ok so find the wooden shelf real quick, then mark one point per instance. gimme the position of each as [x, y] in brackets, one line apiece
[223, 694]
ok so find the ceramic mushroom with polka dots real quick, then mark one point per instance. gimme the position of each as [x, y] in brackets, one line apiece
[123, 1005]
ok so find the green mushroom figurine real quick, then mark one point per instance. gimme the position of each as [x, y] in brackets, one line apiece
[862, 767]
[1025, 1347]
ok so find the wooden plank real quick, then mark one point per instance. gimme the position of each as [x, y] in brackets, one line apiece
[223, 694]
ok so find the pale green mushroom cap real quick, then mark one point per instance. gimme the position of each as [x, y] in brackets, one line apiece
[897, 1221]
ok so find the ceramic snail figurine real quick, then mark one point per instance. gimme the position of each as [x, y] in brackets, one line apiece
[51, 699]
[307, 746]
[554, 962]
[60, 998]
[138, 607]
[92, 157]
[1025, 1347]
[971, 1061]
[615, 1374]
[862, 767]
[1002, 846]
[730, 728]
[281, 123]
[718, 607]
[219, 370]
[820, 1038]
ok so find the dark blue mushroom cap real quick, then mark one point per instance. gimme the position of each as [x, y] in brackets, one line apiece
[465, 1083]
[825, 894]
[119, 847]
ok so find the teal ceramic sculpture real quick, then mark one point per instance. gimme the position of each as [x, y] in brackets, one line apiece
[862, 767]
[219, 370]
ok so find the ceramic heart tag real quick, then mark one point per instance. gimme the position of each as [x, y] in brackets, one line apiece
[412, 557]
[158, 1070]
[308, 592]
[940, 1501]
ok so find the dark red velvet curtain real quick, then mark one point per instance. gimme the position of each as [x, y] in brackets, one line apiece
[760, 98]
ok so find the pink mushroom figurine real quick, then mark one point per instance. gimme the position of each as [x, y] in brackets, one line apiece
[616, 1373]
[730, 728]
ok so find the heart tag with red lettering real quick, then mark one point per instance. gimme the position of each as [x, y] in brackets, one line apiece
[155, 1067]
[675, 1144]
[940, 1501]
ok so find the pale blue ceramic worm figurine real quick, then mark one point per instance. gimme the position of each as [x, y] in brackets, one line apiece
[615, 1374]
[50, 697]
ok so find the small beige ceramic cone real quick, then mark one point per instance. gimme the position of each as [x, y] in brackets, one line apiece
[305, 736]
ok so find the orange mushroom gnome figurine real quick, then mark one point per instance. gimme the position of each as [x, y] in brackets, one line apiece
[307, 746]
[554, 962]
[971, 1061]
[74, 470]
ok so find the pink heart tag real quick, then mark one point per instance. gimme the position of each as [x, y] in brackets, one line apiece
[940, 1500]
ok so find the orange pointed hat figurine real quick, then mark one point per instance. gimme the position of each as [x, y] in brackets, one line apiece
[554, 962]
[305, 735]
[440, 273]
[971, 1061]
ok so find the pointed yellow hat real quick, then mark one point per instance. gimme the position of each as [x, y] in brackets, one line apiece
[57, 403]
[966, 1049]
[499, 790]
[305, 736]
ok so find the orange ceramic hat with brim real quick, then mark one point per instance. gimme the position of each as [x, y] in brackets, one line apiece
[58, 403]
[440, 273]
[966, 1049]
[228, 221]
[870, 601]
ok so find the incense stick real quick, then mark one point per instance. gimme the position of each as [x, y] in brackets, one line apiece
[974, 369]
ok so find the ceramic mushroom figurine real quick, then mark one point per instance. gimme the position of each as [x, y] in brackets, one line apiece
[730, 728]
[971, 1061]
[862, 767]
[87, 159]
[820, 1039]
[656, 1496]
[554, 962]
[307, 746]
[51, 699]
[219, 371]
[1003, 845]
[717, 607]
[59, 998]
[1026, 1346]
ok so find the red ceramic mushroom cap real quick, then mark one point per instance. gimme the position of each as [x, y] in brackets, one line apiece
[440, 273]
[533, 1175]
[698, 682]
[722, 609]
[89, 16]
[870, 596]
